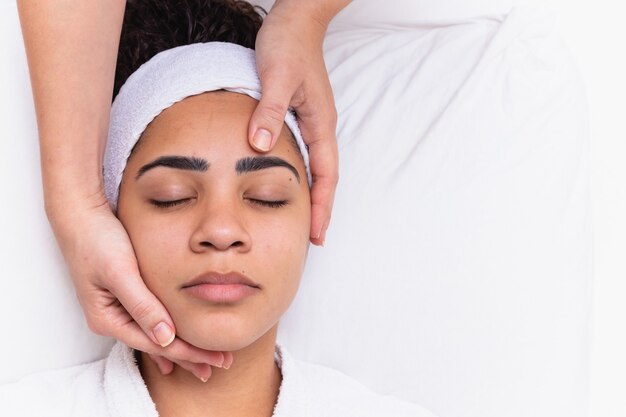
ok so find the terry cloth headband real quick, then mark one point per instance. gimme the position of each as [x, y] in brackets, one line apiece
[169, 77]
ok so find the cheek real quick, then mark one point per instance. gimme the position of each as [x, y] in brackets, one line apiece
[282, 249]
[157, 247]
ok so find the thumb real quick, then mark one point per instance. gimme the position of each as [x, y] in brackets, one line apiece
[267, 120]
[146, 309]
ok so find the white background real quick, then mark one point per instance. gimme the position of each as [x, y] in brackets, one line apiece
[596, 34]
[597, 37]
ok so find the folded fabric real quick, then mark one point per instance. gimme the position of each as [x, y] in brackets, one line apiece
[113, 387]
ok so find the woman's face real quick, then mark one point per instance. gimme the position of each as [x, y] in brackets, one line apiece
[220, 231]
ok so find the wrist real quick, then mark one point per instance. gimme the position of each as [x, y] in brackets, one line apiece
[70, 178]
[64, 205]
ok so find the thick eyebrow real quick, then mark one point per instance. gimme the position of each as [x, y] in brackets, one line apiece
[176, 162]
[256, 163]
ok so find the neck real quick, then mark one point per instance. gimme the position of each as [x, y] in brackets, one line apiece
[249, 388]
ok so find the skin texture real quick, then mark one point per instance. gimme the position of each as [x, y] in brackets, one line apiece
[71, 48]
[219, 221]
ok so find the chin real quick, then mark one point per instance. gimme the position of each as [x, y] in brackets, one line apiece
[221, 335]
[221, 344]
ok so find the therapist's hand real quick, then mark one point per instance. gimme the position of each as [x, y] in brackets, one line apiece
[71, 56]
[291, 67]
[114, 297]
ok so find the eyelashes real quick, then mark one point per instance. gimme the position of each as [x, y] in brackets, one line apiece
[263, 203]
[167, 204]
[271, 204]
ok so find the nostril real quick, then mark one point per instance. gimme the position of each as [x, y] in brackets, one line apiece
[236, 244]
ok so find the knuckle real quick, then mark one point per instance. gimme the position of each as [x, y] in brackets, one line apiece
[140, 310]
[299, 99]
[95, 326]
[274, 111]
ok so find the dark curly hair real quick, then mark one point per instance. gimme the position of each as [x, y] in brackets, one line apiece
[152, 26]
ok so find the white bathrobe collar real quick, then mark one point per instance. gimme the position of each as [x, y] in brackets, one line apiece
[127, 395]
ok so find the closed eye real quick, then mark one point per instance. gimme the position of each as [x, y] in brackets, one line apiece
[268, 203]
[166, 204]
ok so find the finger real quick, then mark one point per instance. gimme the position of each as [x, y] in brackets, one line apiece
[145, 309]
[267, 120]
[201, 371]
[322, 192]
[228, 360]
[180, 351]
[165, 365]
[177, 351]
[318, 120]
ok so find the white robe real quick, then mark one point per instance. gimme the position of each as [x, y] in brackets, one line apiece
[113, 387]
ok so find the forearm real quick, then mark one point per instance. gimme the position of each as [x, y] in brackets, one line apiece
[321, 10]
[71, 47]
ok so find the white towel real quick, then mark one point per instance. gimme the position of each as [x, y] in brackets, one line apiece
[169, 77]
[113, 387]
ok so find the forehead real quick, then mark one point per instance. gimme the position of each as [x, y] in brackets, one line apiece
[208, 124]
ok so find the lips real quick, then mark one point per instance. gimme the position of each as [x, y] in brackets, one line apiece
[221, 288]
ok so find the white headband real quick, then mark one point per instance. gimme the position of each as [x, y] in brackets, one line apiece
[169, 77]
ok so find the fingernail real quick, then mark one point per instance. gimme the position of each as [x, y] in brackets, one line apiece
[227, 364]
[221, 365]
[262, 139]
[204, 376]
[163, 334]
[319, 232]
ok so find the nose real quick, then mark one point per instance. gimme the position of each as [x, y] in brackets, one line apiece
[220, 227]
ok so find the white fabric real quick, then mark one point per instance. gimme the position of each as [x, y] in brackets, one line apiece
[171, 76]
[365, 13]
[459, 255]
[457, 267]
[113, 387]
